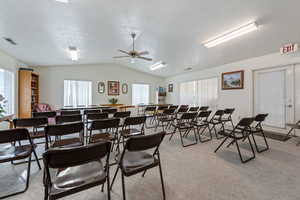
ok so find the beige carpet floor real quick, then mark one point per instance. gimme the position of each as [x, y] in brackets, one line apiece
[194, 173]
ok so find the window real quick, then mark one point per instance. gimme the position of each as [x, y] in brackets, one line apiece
[202, 92]
[77, 93]
[7, 90]
[140, 94]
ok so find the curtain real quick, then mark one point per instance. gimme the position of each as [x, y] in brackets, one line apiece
[188, 93]
[140, 94]
[200, 93]
[7, 90]
[77, 93]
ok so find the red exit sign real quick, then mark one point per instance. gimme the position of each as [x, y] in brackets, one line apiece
[289, 48]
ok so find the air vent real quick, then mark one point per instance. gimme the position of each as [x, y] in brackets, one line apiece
[10, 41]
[188, 69]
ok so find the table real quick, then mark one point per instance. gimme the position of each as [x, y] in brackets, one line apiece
[83, 107]
[293, 127]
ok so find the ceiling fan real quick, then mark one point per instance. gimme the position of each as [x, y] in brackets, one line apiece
[133, 54]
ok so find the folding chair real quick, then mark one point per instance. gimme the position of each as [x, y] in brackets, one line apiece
[149, 113]
[70, 112]
[217, 120]
[201, 122]
[11, 152]
[136, 158]
[165, 118]
[241, 131]
[184, 125]
[77, 169]
[227, 116]
[62, 119]
[259, 129]
[194, 109]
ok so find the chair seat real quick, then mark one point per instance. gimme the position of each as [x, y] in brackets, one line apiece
[165, 119]
[183, 125]
[101, 136]
[215, 121]
[10, 153]
[228, 133]
[295, 126]
[135, 162]
[69, 142]
[130, 132]
[200, 123]
[74, 179]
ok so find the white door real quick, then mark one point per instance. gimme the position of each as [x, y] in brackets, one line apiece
[274, 94]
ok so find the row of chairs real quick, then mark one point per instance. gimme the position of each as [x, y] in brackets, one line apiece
[81, 167]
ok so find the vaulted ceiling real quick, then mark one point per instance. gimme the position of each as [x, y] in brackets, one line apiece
[172, 31]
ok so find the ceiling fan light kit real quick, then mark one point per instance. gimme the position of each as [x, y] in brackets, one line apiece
[158, 65]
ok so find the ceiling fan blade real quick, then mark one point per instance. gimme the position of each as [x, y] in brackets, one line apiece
[121, 56]
[144, 58]
[143, 53]
[124, 51]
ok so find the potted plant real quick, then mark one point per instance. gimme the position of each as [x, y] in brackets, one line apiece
[113, 101]
[2, 105]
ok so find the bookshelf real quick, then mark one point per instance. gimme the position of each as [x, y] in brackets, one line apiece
[28, 92]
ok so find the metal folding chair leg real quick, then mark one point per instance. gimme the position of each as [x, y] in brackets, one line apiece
[221, 144]
[186, 133]
[266, 143]
[199, 134]
[239, 151]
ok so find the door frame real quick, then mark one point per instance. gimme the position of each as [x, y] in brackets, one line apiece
[275, 68]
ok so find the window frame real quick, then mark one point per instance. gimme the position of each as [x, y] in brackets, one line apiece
[149, 91]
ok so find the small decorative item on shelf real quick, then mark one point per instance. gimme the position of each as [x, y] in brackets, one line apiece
[2, 102]
[170, 87]
[101, 87]
[124, 88]
[113, 101]
[113, 88]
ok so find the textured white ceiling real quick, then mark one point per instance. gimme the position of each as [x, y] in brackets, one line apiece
[171, 30]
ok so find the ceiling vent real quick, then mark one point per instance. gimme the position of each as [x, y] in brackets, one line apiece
[10, 41]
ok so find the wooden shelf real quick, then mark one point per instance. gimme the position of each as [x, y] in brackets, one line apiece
[28, 92]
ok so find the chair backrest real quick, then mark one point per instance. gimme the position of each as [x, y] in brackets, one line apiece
[30, 122]
[13, 135]
[70, 157]
[70, 112]
[182, 109]
[194, 109]
[162, 107]
[105, 124]
[97, 116]
[122, 114]
[245, 122]
[150, 109]
[131, 121]
[173, 107]
[229, 111]
[144, 142]
[203, 108]
[68, 118]
[64, 129]
[50, 114]
[261, 117]
[204, 114]
[110, 110]
[91, 111]
[189, 115]
[169, 111]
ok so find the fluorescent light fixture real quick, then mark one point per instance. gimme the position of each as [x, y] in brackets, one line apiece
[158, 65]
[231, 34]
[62, 1]
[73, 53]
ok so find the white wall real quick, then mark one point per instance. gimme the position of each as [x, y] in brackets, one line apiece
[240, 99]
[52, 81]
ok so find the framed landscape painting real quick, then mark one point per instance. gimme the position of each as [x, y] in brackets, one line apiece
[233, 80]
[113, 88]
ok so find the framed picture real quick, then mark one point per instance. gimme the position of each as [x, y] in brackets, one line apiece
[233, 80]
[101, 87]
[124, 88]
[113, 88]
[170, 88]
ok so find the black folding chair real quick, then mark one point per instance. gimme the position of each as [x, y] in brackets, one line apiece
[61, 119]
[203, 108]
[184, 125]
[11, 152]
[258, 129]
[49, 115]
[227, 116]
[122, 116]
[70, 112]
[136, 158]
[215, 121]
[201, 122]
[60, 133]
[165, 118]
[194, 109]
[241, 131]
[149, 113]
[77, 169]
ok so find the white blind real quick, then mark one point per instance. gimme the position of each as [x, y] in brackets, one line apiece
[77, 93]
[7, 90]
[201, 93]
[208, 92]
[140, 94]
[188, 93]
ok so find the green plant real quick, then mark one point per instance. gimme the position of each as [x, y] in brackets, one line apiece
[113, 100]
